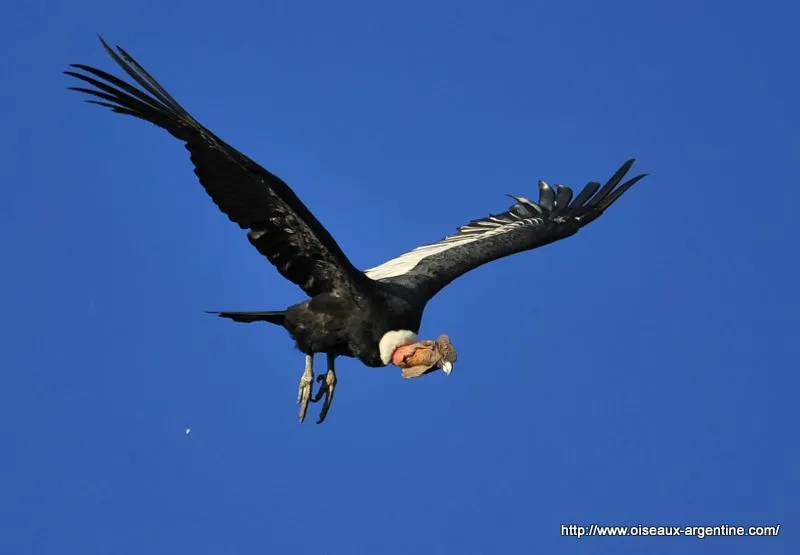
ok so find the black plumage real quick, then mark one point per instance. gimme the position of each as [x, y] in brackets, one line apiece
[349, 312]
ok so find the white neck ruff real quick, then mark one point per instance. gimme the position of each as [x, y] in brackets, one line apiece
[391, 340]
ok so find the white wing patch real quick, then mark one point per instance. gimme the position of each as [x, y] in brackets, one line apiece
[555, 205]
[524, 213]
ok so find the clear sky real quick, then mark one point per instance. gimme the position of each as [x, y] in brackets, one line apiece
[641, 372]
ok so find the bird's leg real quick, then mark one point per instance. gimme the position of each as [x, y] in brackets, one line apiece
[304, 389]
[327, 387]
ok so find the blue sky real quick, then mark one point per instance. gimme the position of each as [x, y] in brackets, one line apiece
[641, 372]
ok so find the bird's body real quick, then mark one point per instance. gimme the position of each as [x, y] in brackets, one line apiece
[372, 315]
[352, 328]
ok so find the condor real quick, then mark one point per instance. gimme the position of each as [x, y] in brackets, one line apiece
[372, 315]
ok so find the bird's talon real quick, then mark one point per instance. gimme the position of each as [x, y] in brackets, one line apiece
[304, 389]
[320, 392]
[327, 390]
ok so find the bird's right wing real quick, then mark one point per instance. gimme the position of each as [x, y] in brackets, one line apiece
[526, 225]
[279, 225]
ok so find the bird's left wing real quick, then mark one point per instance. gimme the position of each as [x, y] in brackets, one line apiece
[279, 225]
[526, 225]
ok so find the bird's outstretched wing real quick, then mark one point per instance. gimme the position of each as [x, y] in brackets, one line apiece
[279, 225]
[526, 225]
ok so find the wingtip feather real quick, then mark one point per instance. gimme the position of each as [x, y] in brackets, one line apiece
[104, 43]
[547, 196]
[619, 191]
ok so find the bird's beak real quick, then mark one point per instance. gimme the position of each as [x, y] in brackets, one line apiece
[447, 367]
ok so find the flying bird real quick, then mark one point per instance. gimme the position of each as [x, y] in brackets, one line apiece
[373, 315]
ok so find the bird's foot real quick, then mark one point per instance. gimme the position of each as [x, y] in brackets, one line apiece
[304, 389]
[327, 388]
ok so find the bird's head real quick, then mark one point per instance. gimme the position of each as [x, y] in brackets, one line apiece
[423, 357]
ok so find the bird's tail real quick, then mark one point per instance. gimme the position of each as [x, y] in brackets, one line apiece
[276, 317]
